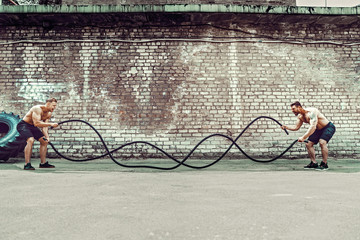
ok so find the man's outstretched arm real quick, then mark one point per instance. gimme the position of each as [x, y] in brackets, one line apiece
[295, 127]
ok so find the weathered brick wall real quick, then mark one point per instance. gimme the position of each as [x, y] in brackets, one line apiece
[175, 92]
[240, 2]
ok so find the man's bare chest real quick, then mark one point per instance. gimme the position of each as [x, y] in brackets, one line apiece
[45, 116]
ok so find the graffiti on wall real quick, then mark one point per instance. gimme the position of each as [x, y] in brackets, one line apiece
[38, 89]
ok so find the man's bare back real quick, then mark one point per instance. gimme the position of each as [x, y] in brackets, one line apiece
[322, 121]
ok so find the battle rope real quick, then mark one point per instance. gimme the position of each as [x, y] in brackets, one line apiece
[179, 163]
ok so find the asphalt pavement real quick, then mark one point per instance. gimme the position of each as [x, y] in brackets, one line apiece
[234, 199]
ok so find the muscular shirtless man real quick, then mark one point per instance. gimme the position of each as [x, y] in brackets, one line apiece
[320, 131]
[38, 116]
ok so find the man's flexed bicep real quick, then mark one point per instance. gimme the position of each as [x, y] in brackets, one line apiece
[36, 116]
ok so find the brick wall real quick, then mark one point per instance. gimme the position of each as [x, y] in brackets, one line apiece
[175, 92]
[239, 2]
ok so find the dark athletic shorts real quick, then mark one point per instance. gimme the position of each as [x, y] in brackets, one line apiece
[27, 130]
[326, 133]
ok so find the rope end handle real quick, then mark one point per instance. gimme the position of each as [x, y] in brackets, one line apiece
[51, 127]
[285, 130]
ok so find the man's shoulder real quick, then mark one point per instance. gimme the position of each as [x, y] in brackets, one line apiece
[36, 108]
[300, 117]
[311, 109]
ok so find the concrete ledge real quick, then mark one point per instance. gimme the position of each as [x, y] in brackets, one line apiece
[179, 8]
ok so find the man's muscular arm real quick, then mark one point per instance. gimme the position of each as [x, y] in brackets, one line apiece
[45, 130]
[313, 122]
[36, 117]
[295, 127]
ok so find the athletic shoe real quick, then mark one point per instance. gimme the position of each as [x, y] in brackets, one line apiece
[28, 167]
[311, 165]
[323, 166]
[46, 165]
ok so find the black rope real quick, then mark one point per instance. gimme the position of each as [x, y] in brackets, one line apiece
[178, 163]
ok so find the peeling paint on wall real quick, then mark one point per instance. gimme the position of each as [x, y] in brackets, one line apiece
[176, 92]
[235, 80]
[87, 55]
[38, 89]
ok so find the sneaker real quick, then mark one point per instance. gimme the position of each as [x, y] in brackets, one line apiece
[311, 165]
[323, 166]
[28, 167]
[46, 165]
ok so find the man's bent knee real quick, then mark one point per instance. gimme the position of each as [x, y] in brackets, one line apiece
[309, 144]
[322, 143]
[43, 142]
[30, 140]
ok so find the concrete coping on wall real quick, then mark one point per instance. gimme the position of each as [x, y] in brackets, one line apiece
[179, 8]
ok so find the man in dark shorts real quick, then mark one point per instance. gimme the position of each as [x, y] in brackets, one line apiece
[320, 131]
[28, 127]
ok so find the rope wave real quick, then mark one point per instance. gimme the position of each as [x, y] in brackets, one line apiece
[178, 163]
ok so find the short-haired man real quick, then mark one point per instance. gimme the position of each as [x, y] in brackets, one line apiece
[37, 117]
[320, 131]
